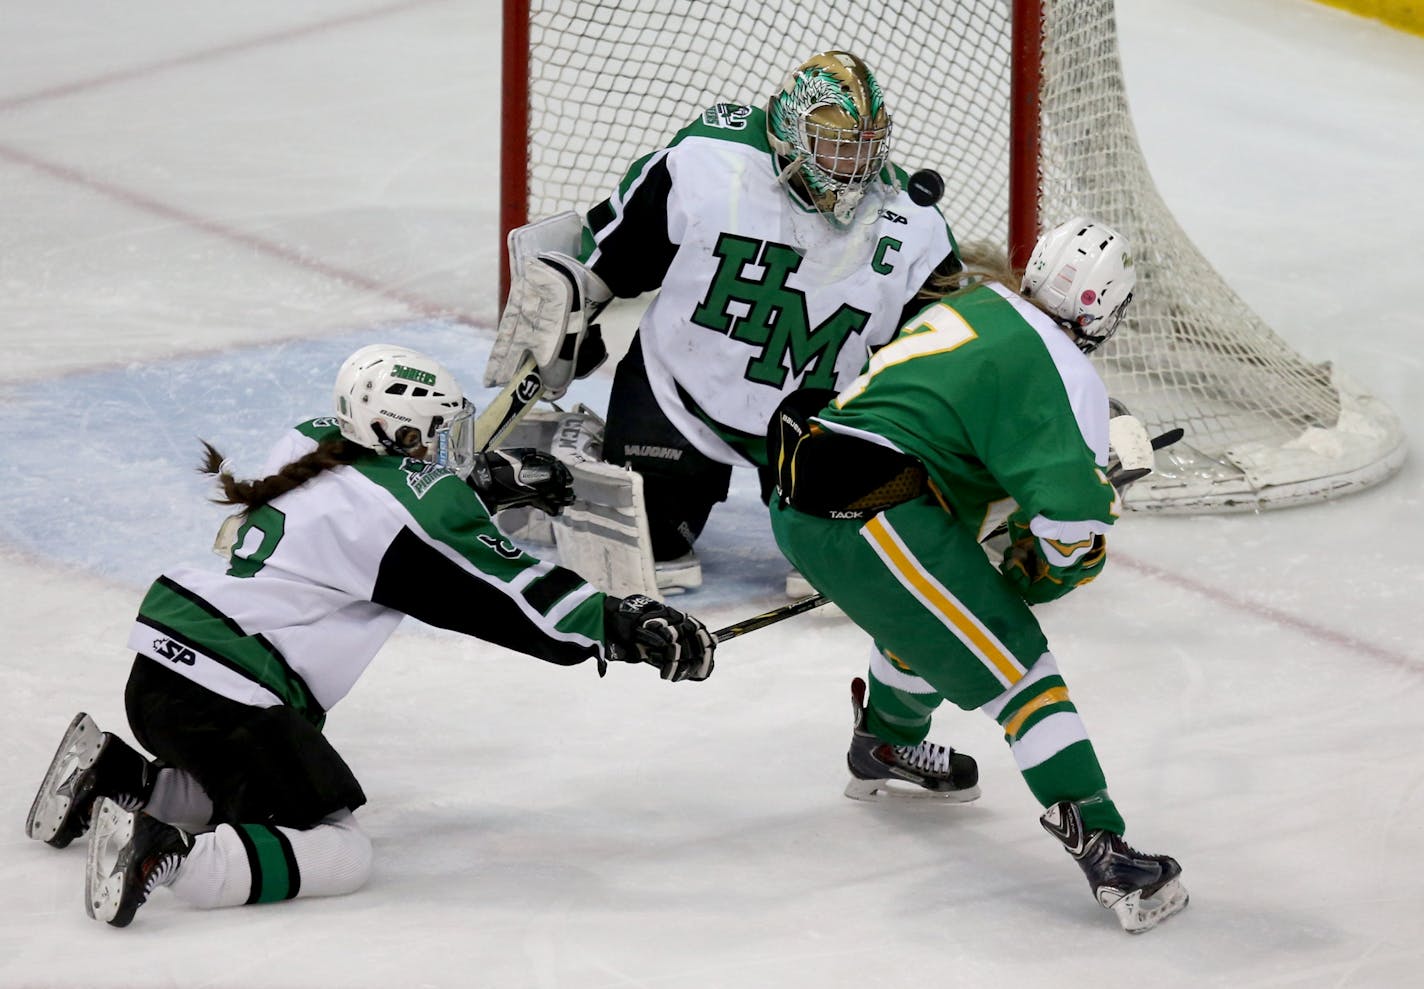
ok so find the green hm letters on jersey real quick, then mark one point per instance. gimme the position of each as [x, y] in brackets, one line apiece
[776, 319]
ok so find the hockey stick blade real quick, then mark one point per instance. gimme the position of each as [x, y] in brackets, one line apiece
[770, 617]
[1122, 478]
[510, 405]
[1164, 440]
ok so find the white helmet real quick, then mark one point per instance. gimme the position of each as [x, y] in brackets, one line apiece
[396, 401]
[1082, 273]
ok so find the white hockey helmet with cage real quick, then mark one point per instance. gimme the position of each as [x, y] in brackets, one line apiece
[1082, 273]
[829, 126]
[396, 401]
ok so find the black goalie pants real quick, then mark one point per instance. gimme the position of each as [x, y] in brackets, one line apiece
[680, 483]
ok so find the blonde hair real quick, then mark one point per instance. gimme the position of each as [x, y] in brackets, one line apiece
[982, 262]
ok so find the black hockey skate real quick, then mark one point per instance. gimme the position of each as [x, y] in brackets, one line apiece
[130, 855]
[88, 764]
[1142, 890]
[878, 768]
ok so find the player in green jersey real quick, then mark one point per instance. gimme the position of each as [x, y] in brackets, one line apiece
[360, 518]
[983, 411]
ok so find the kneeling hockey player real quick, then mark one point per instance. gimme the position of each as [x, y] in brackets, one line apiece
[379, 511]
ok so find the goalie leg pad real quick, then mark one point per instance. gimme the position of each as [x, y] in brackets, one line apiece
[603, 535]
[575, 437]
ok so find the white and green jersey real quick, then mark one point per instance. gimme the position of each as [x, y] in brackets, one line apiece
[1005, 413]
[759, 294]
[321, 576]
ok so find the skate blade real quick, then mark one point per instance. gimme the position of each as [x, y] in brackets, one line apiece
[1137, 914]
[111, 830]
[858, 789]
[77, 751]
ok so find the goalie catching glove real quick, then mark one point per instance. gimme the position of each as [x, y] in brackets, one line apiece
[522, 476]
[638, 629]
[553, 302]
[581, 349]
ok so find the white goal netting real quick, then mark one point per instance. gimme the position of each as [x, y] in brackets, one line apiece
[610, 82]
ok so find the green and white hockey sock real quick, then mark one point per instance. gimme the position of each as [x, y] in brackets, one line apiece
[1051, 747]
[257, 863]
[899, 704]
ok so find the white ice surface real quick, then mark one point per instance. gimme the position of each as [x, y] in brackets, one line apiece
[204, 206]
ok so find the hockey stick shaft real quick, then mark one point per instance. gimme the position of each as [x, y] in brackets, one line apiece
[506, 409]
[770, 617]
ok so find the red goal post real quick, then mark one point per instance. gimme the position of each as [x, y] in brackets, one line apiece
[1021, 106]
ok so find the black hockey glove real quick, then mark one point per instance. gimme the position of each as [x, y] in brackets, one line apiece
[522, 476]
[638, 629]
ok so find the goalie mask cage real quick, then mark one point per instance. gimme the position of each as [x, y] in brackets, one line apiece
[1021, 107]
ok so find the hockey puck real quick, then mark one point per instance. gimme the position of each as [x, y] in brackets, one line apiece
[926, 186]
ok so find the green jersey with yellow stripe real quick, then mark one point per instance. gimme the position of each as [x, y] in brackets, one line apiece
[1005, 413]
[321, 576]
[1009, 420]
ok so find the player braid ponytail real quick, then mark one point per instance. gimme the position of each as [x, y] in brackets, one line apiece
[255, 494]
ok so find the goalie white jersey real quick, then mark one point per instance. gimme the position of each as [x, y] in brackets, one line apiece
[760, 295]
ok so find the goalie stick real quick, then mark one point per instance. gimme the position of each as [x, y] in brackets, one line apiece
[506, 409]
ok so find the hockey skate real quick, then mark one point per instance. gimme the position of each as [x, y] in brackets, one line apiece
[1141, 890]
[87, 765]
[130, 855]
[679, 575]
[879, 769]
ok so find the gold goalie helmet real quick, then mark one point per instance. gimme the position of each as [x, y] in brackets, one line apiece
[829, 127]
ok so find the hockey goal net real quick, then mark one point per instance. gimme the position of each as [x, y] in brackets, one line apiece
[1021, 107]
